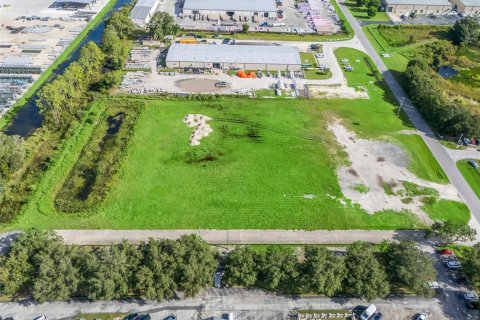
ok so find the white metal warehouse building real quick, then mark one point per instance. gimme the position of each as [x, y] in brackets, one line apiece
[239, 10]
[143, 11]
[419, 7]
[245, 57]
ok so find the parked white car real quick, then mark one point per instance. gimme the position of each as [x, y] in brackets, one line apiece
[453, 264]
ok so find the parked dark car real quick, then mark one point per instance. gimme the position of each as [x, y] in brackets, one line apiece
[132, 316]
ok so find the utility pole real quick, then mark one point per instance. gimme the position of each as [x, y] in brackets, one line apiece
[401, 106]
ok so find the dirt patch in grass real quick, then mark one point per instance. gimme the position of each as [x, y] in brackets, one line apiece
[387, 184]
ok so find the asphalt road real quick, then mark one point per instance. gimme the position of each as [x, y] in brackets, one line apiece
[243, 304]
[443, 158]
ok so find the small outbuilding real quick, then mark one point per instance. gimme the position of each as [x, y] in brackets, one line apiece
[244, 57]
[419, 7]
[143, 11]
[469, 7]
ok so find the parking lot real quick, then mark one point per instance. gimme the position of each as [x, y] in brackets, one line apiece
[293, 20]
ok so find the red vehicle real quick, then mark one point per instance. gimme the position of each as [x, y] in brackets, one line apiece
[446, 251]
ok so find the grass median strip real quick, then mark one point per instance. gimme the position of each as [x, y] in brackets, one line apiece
[470, 174]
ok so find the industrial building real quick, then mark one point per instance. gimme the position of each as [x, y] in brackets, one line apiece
[244, 57]
[469, 7]
[238, 10]
[419, 7]
[143, 11]
[80, 4]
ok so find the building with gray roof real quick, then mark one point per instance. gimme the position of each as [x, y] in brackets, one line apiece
[419, 7]
[143, 11]
[468, 7]
[243, 57]
[74, 3]
[239, 10]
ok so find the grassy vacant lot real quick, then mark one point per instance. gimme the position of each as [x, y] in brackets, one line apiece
[253, 171]
[361, 12]
[400, 41]
[470, 174]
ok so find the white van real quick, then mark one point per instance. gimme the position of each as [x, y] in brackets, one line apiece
[368, 312]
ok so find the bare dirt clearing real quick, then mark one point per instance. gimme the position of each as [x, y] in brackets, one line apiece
[377, 176]
[198, 85]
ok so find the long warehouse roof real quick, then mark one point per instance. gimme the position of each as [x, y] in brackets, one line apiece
[420, 2]
[471, 3]
[231, 5]
[224, 53]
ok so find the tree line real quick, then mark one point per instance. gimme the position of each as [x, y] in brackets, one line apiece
[12, 156]
[63, 101]
[425, 87]
[361, 272]
[448, 117]
[39, 264]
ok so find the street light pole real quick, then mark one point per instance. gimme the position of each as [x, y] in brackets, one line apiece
[401, 106]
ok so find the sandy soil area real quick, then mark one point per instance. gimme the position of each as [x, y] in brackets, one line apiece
[197, 85]
[201, 128]
[376, 164]
[336, 92]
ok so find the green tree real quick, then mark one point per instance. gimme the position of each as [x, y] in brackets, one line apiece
[278, 266]
[365, 276]
[156, 277]
[161, 25]
[20, 267]
[245, 27]
[57, 277]
[471, 265]
[241, 267]
[12, 155]
[447, 232]
[113, 277]
[372, 11]
[122, 24]
[408, 267]
[322, 271]
[196, 264]
[115, 49]
[91, 59]
[466, 31]
[15, 273]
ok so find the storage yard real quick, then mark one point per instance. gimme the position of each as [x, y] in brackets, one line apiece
[33, 34]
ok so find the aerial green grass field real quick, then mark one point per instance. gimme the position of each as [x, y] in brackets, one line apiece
[267, 164]
[470, 174]
[253, 171]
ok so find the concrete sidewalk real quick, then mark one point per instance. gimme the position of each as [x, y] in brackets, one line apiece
[232, 237]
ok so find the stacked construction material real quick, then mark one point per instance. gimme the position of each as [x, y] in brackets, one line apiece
[202, 129]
